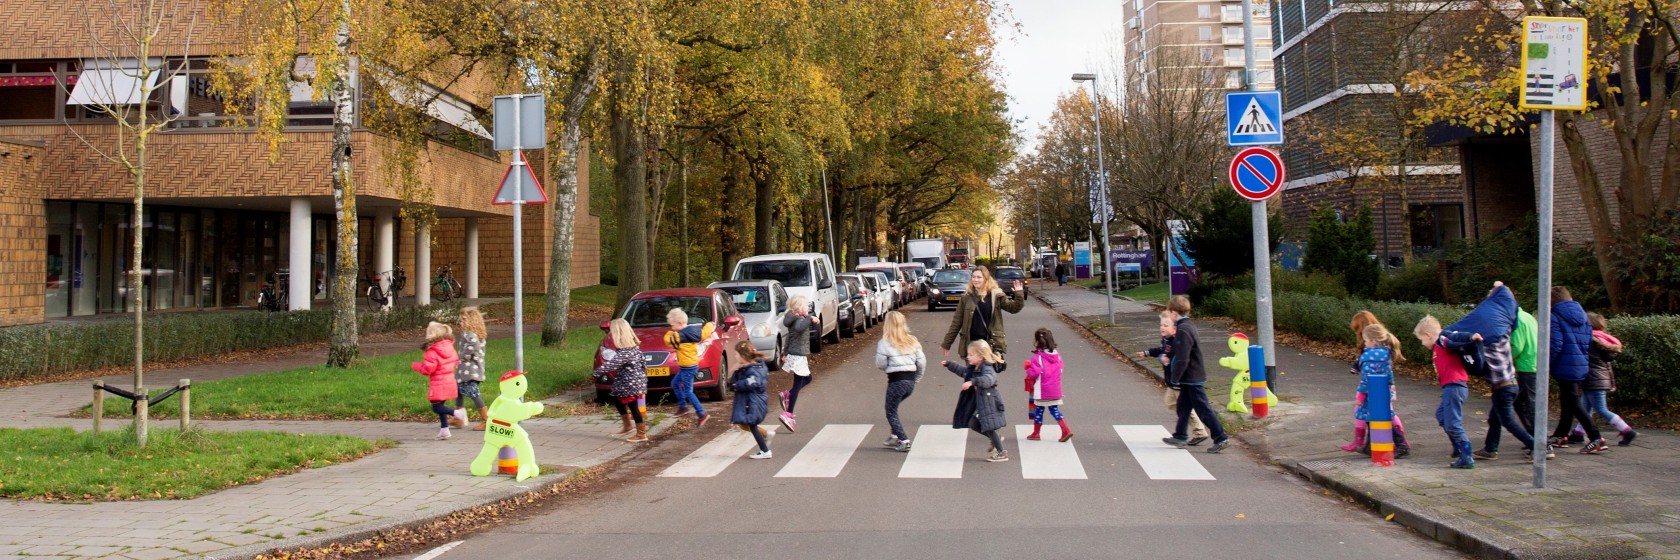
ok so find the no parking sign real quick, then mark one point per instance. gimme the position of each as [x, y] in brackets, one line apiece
[1257, 174]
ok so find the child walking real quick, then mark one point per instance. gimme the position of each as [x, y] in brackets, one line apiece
[1601, 378]
[627, 372]
[1376, 365]
[1044, 383]
[1188, 375]
[752, 404]
[980, 408]
[900, 355]
[1360, 321]
[1164, 353]
[1454, 380]
[470, 373]
[685, 340]
[799, 323]
[438, 365]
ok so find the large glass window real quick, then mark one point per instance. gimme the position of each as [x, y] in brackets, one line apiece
[59, 234]
[163, 239]
[30, 90]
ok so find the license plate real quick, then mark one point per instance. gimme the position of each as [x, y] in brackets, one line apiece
[953, 298]
[658, 372]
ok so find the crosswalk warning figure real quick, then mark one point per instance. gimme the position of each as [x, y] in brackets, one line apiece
[508, 410]
[1255, 121]
[1238, 360]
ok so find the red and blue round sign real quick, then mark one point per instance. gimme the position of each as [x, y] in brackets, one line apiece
[1257, 174]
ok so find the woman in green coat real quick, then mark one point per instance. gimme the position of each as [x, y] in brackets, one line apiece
[979, 315]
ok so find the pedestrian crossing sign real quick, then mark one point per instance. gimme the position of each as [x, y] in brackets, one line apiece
[1253, 118]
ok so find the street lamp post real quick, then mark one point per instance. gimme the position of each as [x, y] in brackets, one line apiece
[1038, 234]
[1102, 189]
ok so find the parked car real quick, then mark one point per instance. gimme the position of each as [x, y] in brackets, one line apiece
[916, 273]
[947, 288]
[877, 297]
[1006, 277]
[850, 306]
[883, 280]
[762, 303]
[801, 274]
[900, 286]
[646, 313]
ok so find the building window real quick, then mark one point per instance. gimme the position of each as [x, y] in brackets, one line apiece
[29, 91]
[1207, 54]
[1264, 77]
[1435, 226]
[1262, 52]
[1234, 57]
[1233, 35]
[1233, 79]
[1204, 11]
[1262, 9]
[1205, 33]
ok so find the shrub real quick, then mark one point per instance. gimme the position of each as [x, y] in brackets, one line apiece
[1511, 256]
[1315, 283]
[1221, 237]
[1419, 281]
[37, 350]
[1344, 247]
[1325, 318]
[1645, 372]
[1649, 261]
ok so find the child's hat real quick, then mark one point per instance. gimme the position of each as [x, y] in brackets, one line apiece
[511, 375]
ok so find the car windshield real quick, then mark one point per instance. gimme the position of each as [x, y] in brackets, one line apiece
[951, 276]
[880, 277]
[1011, 274]
[650, 312]
[749, 300]
[792, 274]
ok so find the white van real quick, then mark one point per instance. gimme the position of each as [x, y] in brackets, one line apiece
[802, 274]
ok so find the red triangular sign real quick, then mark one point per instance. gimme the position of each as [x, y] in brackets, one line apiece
[520, 183]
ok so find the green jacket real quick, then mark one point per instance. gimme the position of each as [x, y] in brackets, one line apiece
[1524, 341]
[958, 332]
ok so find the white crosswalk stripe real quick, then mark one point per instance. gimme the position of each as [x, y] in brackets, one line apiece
[1047, 458]
[1159, 460]
[715, 456]
[936, 451]
[827, 452]
[940, 451]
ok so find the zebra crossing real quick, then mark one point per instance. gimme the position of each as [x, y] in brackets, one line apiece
[941, 451]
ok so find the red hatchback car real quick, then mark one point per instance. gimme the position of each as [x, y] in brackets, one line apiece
[646, 313]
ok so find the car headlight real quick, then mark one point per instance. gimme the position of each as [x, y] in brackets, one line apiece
[607, 354]
[760, 330]
[934, 291]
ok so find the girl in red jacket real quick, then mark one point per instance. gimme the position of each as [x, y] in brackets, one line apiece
[438, 364]
[1044, 383]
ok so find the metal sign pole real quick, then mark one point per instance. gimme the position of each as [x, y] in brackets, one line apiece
[518, 246]
[1262, 249]
[1543, 313]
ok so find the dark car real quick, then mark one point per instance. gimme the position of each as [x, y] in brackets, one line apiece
[858, 314]
[1007, 276]
[947, 288]
[646, 313]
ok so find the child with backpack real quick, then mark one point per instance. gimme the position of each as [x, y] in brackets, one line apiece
[1454, 380]
[1044, 383]
[750, 383]
[438, 365]
[1601, 378]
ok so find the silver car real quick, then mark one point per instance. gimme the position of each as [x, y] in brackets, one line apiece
[762, 303]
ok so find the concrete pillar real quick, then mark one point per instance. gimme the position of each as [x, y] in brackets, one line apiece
[384, 240]
[422, 274]
[299, 287]
[472, 258]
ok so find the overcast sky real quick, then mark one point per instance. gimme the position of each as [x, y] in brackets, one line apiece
[1054, 39]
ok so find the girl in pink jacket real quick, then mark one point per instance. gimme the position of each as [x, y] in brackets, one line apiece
[438, 364]
[1044, 383]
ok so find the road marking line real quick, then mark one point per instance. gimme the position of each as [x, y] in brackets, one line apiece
[716, 455]
[1159, 460]
[827, 452]
[1047, 458]
[936, 451]
[436, 552]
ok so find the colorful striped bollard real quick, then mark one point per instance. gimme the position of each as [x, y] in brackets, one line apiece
[1380, 414]
[507, 461]
[1257, 381]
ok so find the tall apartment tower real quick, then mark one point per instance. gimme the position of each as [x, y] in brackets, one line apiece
[1206, 34]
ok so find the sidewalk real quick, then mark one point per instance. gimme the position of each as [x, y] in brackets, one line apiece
[1621, 504]
[418, 480]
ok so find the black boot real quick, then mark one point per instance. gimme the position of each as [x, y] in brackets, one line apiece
[1401, 448]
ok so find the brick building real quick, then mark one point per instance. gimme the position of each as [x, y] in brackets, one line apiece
[1194, 33]
[220, 214]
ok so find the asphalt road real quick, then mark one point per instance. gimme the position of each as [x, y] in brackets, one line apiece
[866, 510]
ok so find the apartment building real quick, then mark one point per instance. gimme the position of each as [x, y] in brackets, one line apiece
[1194, 33]
[221, 215]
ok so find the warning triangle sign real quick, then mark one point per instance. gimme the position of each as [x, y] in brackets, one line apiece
[520, 184]
[1255, 121]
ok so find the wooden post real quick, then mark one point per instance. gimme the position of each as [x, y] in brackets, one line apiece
[98, 403]
[186, 402]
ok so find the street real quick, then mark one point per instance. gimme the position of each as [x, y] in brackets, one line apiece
[832, 491]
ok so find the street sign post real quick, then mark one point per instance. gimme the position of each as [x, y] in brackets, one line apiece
[1554, 63]
[520, 123]
[1253, 118]
[1257, 174]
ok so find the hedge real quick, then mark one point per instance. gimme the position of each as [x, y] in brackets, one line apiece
[40, 350]
[1643, 373]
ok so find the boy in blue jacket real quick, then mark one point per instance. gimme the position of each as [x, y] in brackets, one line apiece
[1186, 373]
[1571, 342]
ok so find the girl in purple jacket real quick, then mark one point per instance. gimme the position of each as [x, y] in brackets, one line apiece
[1044, 383]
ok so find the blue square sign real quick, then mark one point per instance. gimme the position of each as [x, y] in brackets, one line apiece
[1253, 118]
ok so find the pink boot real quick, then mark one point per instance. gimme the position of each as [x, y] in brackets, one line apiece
[1358, 440]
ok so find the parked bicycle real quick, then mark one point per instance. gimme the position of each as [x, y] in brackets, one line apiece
[273, 295]
[383, 287]
[445, 285]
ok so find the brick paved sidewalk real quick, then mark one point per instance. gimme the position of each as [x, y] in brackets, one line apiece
[421, 478]
[1621, 504]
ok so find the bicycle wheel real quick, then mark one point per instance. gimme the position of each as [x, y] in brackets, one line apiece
[443, 291]
[456, 287]
[376, 298]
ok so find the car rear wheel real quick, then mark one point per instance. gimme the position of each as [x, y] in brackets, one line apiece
[776, 364]
[716, 392]
[847, 329]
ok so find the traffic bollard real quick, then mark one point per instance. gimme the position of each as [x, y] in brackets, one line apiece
[1257, 381]
[1380, 419]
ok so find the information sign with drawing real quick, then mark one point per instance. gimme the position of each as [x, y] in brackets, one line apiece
[1554, 63]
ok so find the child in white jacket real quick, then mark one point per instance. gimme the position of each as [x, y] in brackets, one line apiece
[900, 355]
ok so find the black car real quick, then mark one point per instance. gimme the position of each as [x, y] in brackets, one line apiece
[947, 288]
[1007, 276]
[854, 313]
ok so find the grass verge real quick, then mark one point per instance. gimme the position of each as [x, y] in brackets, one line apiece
[382, 388]
[1156, 292]
[591, 302]
[61, 464]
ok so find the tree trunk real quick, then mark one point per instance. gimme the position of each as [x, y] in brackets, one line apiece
[682, 229]
[1592, 198]
[727, 229]
[138, 226]
[563, 163]
[630, 172]
[764, 196]
[656, 212]
[343, 347]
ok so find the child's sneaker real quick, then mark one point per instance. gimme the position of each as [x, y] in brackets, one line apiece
[903, 446]
[787, 420]
[443, 433]
[1558, 442]
[998, 457]
[1485, 454]
[765, 454]
[1175, 442]
[459, 418]
[1195, 441]
[1594, 447]
[1464, 464]
[784, 398]
[683, 413]
[1627, 437]
[1219, 445]
[891, 441]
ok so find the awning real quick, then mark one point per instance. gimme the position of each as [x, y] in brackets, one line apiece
[443, 107]
[102, 85]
